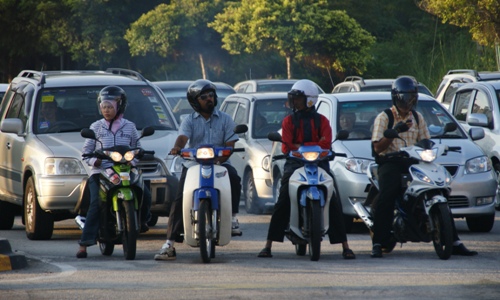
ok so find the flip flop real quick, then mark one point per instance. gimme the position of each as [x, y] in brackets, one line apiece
[266, 252]
[348, 254]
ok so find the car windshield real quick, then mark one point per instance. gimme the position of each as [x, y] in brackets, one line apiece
[180, 106]
[387, 88]
[268, 115]
[365, 113]
[274, 87]
[70, 109]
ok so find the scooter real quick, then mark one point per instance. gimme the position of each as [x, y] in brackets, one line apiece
[310, 189]
[121, 195]
[206, 199]
[421, 214]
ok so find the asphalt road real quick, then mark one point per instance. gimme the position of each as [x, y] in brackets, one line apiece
[411, 272]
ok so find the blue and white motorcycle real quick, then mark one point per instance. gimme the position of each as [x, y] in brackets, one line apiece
[207, 208]
[310, 189]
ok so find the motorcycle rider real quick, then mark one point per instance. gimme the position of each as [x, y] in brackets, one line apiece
[206, 125]
[305, 126]
[111, 130]
[404, 94]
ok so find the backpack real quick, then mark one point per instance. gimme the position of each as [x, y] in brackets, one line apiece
[389, 114]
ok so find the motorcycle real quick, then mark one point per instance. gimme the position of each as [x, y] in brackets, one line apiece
[120, 192]
[421, 214]
[310, 190]
[206, 203]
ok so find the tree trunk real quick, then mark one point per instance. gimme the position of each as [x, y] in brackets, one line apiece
[288, 67]
[202, 64]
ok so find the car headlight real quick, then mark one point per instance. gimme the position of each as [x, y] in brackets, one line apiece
[479, 164]
[176, 166]
[357, 165]
[266, 163]
[63, 166]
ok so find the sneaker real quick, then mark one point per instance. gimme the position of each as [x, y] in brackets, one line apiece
[166, 253]
[235, 228]
[80, 221]
[376, 251]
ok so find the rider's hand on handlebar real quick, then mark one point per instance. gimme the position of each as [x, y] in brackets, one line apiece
[97, 162]
[401, 127]
[175, 150]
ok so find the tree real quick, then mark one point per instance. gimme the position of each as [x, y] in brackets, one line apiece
[177, 29]
[296, 29]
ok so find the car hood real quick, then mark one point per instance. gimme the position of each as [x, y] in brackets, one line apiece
[264, 145]
[70, 144]
[362, 149]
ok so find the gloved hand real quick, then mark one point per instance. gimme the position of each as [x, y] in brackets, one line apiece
[401, 127]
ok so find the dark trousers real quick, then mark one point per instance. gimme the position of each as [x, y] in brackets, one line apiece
[280, 218]
[175, 225]
[389, 178]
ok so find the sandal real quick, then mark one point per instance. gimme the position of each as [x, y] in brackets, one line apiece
[348, 254]
[81, 254]
[266, 252]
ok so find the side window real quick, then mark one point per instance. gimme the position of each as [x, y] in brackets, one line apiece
[461, 104]
[17, 110]
[241, 114]
[450, 91]
[230, 107]
[344, 89]
[481, 105]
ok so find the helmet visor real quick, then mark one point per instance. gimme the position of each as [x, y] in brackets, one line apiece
[406, 101]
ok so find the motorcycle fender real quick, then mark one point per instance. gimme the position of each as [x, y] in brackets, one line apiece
[192, 194]
[126, 194]
[434, 200]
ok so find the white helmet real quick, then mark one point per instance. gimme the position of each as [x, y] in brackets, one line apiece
[304, 87]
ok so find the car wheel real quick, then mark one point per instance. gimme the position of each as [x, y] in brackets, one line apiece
[497, 170]
[39, 224]
[480, 224]
[251, 198]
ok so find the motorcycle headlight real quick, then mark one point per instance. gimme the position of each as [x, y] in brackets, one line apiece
[357, 165]
[205, 153]
[115, 156]
[129, 155]
[476, 165]
[63, 166]
[428, 155]
[310, 156]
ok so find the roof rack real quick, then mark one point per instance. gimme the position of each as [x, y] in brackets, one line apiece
[37, 75]
[126, 72]
[354, 78]
[464, 71]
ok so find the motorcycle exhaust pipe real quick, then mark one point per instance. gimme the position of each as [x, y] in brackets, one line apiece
[363, 214]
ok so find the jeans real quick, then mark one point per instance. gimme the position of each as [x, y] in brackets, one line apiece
[91, 228]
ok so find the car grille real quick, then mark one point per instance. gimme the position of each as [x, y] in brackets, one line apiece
[149, 166]
[458, 202]
[452, 169]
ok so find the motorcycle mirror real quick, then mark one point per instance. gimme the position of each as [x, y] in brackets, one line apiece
[274, 136]
[88, 133]
[147, 131]
[240, 128]
[449, 127]
[391, 133]
[342, 135]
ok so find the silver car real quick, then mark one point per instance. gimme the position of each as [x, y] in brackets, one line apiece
[263, 113]
[474, 181]
[42, 174]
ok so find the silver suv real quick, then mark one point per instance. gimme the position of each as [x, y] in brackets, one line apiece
[41, 171]
[456, 78]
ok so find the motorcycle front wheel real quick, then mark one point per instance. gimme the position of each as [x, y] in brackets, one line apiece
[442, 237]
[205, 227]
[130, 230]
[315, 229]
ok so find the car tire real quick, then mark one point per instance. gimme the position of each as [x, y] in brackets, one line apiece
[39, 224]
[251, 199]
[480, 224]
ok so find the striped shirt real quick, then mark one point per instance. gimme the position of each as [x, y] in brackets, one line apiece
[126, 134]
[413, 135]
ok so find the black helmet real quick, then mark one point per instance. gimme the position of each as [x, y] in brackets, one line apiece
[404, 92]
[113, 93]
[197, 88]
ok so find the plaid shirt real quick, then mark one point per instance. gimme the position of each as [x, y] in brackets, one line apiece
[413, 135]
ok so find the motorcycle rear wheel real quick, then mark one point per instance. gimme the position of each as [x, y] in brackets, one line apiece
[205, 227]
[442, 237]
[315, 229]
[130, 230]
